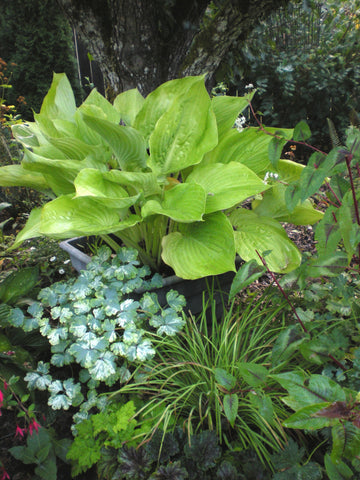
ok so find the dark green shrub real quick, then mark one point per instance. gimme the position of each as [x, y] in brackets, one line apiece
[35, 35]
[304, 62]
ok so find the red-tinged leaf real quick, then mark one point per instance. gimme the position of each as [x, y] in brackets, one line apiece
[231, 406]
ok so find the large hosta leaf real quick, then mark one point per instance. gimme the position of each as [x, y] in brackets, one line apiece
[226, 185]
[31, 229]
[127, 143]
[67, 217]
[109, 111]
[59, 101]
[159, 101]
[128, 104]
[184, 133]
[202, 248]
[92, 183]
[263, 234]
[249, 147]
[17, 176]
[145, 182]
[273, 205]
[183, 203]
[227, 109]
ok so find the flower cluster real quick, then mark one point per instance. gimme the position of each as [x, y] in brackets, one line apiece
[9, 399]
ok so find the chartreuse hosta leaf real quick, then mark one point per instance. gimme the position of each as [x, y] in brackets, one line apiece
[145, 182]
[16, 175]
[273, 205]
[183, 203]
[263, 234]
[92, 183]
[128, 104]
[127, 143]
[202, 248]
[249, 147]
[67, 217]
[159, 101]
[184, 133]
[227, 110]
[226, 185]
[59, 102]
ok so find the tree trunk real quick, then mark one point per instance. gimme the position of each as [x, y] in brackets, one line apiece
[143, 43]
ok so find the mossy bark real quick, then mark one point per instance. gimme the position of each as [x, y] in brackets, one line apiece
[143, 43]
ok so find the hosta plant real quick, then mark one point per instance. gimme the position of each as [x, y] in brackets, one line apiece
[96, 332]
[166, 174]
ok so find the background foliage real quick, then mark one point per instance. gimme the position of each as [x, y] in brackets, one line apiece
[35, 35]
[304, 62]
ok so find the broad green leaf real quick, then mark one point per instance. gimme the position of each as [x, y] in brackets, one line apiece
[307, 391]
[227, 110]
[224, 379]
[226, 185]
[127, 143]
[301, 131]
[72, 147]
[109, 111]
[169, 323]
[18, 283]
[288, 170]
[318, 168]
[262, 234]
[252, 373]
[286, 344]
[92, 183]
[31, 229]
[182, 203]
[337, 469]
[275, 149]
[128, 104]
[246, 275]
[249, 147]
[25, 133]
[263, 405]
[18, 176]
[160, 100]
[306, 418]
[59, 102]
[328, 265]
[202, 248]
[137, 182]
[350, 230]
[273, 205]
[327, 233]
[67, 217]
[184, 133]
[231, 407]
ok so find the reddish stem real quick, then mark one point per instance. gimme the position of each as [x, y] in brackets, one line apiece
[283, 293]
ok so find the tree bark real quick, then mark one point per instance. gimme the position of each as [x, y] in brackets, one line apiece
[143, 43]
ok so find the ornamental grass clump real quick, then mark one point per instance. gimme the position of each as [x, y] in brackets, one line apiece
[217, 376]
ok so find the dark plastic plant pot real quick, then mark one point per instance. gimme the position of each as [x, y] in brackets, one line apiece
[195, 291]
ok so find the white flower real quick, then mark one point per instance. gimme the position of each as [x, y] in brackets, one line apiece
[67, 261]
[250, 86]
[52, 259]
[61, 271]
[268, 175]
[239, 123]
